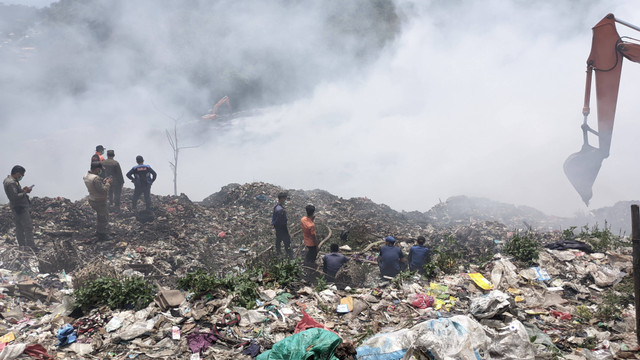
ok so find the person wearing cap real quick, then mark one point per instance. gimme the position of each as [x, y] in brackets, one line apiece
[98, 191]
[332, 262]
[390, 258]
[419, 255]
[112, 169]
[279, 223]
[20, 206]
[97, 157]
[309, 235]
[142, 176]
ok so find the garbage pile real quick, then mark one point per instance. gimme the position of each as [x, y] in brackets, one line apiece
[570, 301]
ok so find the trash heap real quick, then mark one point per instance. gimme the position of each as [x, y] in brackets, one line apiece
[574, 300]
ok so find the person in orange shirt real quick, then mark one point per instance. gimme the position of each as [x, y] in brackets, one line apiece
[97, 157]
[309, 235]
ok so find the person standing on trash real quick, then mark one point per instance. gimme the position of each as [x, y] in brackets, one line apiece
[279, 223]
[112, 169]
[20, 206]
[390, 258]
[98, 192]
[332, 262]
[309, 235]
[418, 256]
[142, 176]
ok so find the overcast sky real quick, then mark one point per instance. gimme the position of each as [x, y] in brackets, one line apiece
[36, 3]
[477, 98]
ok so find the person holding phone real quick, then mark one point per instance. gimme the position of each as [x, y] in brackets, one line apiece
[20, 206]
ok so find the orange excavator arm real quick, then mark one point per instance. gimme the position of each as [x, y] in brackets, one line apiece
[607, 51]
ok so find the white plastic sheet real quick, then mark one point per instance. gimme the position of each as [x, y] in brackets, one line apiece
[458, 337]
[489, 305]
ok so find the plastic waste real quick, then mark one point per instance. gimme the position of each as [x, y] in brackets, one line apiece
[481, 281]
[309, 344]
[489, 305]
[459, 337]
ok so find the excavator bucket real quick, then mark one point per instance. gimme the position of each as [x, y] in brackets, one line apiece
[582, 169]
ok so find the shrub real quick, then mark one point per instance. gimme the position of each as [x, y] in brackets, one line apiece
[129, 292]
[243, 286]
[522, 248]
[445, 256]
[430, 270]
[284, 272]
[602, 240]
[615, 300]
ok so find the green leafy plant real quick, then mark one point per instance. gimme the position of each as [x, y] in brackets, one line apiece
[284, 272]
[446, 255]
[243, 286]
[129, 292]
[430, 270]
[615, 300]
[602, 240]
[402, 277]
[569, 234]
[522, 248]
[583, 313]
[321, 284]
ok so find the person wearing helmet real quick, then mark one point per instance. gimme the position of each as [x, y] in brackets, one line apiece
[390, 258]
[142, 176]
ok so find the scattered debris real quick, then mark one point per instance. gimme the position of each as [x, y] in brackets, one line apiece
[477, 300]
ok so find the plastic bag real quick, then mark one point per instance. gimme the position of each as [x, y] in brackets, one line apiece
[318, 344]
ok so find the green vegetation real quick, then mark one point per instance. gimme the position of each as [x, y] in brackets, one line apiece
[244, 285]
[615, 300]
[130, 292]
[430, 270]
[283, 272]
[602, 240]
[445, 256]
[403, 276]
[583, 314]
[523, 248]
[321, 284]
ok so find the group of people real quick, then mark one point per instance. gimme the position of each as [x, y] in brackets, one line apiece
[391, 260]
[104, 180]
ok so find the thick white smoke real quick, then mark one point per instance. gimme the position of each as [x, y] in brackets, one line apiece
[472, 98]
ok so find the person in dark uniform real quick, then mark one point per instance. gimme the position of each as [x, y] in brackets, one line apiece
[390, 258]
[332, 262]
[142, 176]
[112, 169]
[419, 255]
[279, 223]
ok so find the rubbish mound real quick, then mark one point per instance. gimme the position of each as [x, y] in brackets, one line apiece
[572, 301]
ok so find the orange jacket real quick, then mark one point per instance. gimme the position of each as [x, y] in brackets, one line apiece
[308, 231]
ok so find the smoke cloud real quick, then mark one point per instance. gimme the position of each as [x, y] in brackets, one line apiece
[457, 98]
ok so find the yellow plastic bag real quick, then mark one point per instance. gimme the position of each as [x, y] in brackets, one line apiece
[480, 281]
[7, 338]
